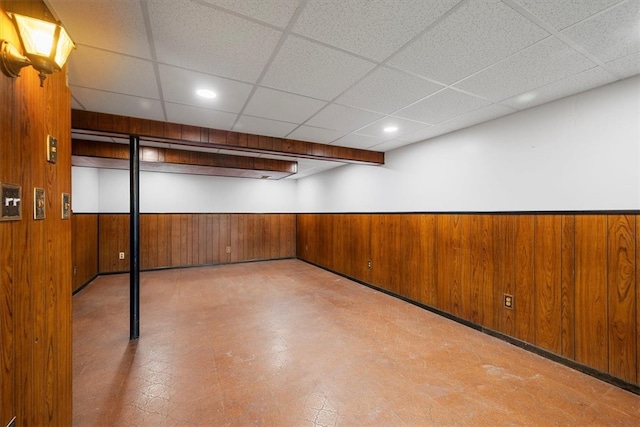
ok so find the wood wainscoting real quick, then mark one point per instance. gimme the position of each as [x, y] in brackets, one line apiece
[574, 278]
[180, 240]
[35, 254]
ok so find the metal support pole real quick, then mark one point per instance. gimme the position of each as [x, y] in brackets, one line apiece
[134, 236]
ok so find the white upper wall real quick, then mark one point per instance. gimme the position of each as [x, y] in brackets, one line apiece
[84, 190]
[173, 193]
[578, 153]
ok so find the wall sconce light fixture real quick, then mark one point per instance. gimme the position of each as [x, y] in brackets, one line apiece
[46, 47]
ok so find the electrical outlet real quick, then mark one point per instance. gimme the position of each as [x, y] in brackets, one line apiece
[369, 264]
[121, 255]
[228, 249]
[508, 301]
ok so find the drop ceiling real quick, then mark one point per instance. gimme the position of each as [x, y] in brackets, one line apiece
[341, 71]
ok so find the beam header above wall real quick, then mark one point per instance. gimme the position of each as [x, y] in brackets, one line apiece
[110, 125]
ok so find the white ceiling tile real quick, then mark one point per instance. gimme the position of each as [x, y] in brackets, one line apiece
[539, 65]
[442, 106]
[311, 69]
[286, 107]
[404, 127]
[359, 141]
[478, 116]
[386, 90]
[274, 12]
[121, 25]
[563, 13]
[568, 86]
[341, 118]
[102, 70]
[195, 116]
[116, 103]
[216, 42]
[424, 134]
[627, 66]
[610, 35]
[179, 86]
[374, 29]
[257, 126]
[476, 35]
[314, 134]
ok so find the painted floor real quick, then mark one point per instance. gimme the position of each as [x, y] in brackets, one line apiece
[283, 343]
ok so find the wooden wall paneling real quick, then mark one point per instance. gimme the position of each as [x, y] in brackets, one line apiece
[148, 241]
[622, 297]
[235, 224]
[164, 240]
[273, 230]
[384, 252]
[524, 278]
[444, 262]
[250, 232]
[360, 228]
[325, 239]
[472, 271]
[591, 291]
[176, 239]
[185, 240]
[8, 245]
[567, 297]
[466, 282]
[505, 263]
[287, 236]
[206, 231]
[84, 238]
[548, 279]
[637, 298]
[428, 242]
[411, 265]
[455, 263]
[194, 239]
[224, 238]
[342, 255]
[123, 222]
[492, 301]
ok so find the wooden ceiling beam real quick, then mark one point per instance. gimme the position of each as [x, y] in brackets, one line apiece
[116, 156]
[91, 123]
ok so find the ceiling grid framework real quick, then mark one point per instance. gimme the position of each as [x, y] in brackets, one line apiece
[340, 71]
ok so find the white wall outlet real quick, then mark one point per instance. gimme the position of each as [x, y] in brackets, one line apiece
[121, 255]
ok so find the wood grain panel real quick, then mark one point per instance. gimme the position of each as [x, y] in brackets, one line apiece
[428, 260]
[490, 260]
[472, 266]
[505, 262]
[548, 289]
[524, 278]
[84, 240]
[384, 252]
[447, 252]
[99, 124]
[591, 291]
[637, 299]
[622, 296]
[568, 286]
[411, 263]
[36, 275]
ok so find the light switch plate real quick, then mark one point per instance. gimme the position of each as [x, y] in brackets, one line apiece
[38, 203]
[52, 149]
[66, 205]
[11, 202]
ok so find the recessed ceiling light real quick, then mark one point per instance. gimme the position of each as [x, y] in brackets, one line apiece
[206, 93]
[390, 129]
